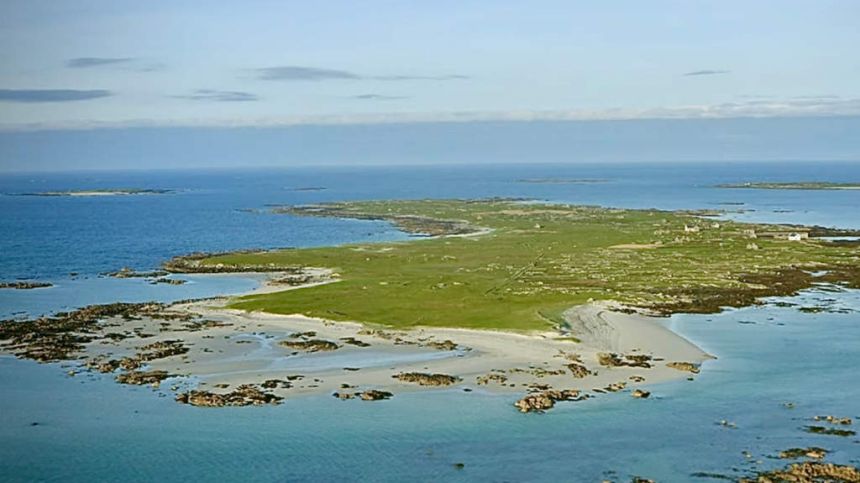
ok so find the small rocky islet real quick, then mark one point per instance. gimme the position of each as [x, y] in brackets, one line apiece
[25, 285]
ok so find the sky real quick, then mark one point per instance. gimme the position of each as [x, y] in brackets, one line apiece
[114, 64]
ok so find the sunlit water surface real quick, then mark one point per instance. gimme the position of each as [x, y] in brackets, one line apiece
[87, 428]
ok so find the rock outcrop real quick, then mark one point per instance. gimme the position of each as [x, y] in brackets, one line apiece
[142, 377]
[244, 395]
[25, 285]
[834, 420]
[611, 359]
[578, 370]
[354, 341]
[809, 472]
[312, 345]
[425, 379]
[829, 431]
[684, 366]
[491, 377]
[811, 452]
[545, 400]
[374, 395]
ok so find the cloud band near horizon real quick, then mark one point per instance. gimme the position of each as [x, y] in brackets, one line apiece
[51, 95]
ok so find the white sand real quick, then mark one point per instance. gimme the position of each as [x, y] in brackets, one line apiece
[246, 350]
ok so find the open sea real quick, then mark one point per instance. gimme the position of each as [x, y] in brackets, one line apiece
[88, 428]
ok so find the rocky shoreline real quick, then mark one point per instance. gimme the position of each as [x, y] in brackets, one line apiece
[25, 285]
[150, 344]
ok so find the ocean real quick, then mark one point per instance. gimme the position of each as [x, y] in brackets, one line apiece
[87, 428]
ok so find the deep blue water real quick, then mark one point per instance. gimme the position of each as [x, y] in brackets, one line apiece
[49, 237]
[91, 429]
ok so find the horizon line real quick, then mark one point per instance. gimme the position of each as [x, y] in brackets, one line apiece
[696, 113]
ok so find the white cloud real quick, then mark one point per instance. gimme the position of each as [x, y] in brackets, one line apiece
[810, 106]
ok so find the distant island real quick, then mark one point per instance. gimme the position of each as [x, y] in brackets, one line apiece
[562, 180]
[310, 188]
[804, 185]
[101, 192]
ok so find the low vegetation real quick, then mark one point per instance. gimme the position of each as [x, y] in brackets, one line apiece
[518, 266]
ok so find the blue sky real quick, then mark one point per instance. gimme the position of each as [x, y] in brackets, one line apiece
[112, 63]
[191, 83]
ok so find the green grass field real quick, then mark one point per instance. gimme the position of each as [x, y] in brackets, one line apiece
[538, 261]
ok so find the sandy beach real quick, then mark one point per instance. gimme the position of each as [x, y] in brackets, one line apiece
[228, 348]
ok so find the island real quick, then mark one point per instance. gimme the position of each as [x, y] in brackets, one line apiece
[25, 285]
[562, 180]
[101, 192]
[804, 185]
[546, 302]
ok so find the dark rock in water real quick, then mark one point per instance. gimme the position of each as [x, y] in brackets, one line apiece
[313, 345]
[168, 281]
[615, 387]
[834, 420]
[354, 341]
[62, 336]
[809, 472]
[275, 383]
[374, 395]
[640, 394]
[424, 379]
[130, 363]
[459, 466]
[544, 400]
[25, 285]
[104, 367]
[310, 188]
[142, 377]
[811, 452]
[829, 431]
[127, 272]
[244, 395]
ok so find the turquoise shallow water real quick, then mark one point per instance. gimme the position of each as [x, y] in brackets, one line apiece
[90, 428]
[87, 428]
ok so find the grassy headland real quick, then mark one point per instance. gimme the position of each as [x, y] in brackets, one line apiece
[520, 265]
